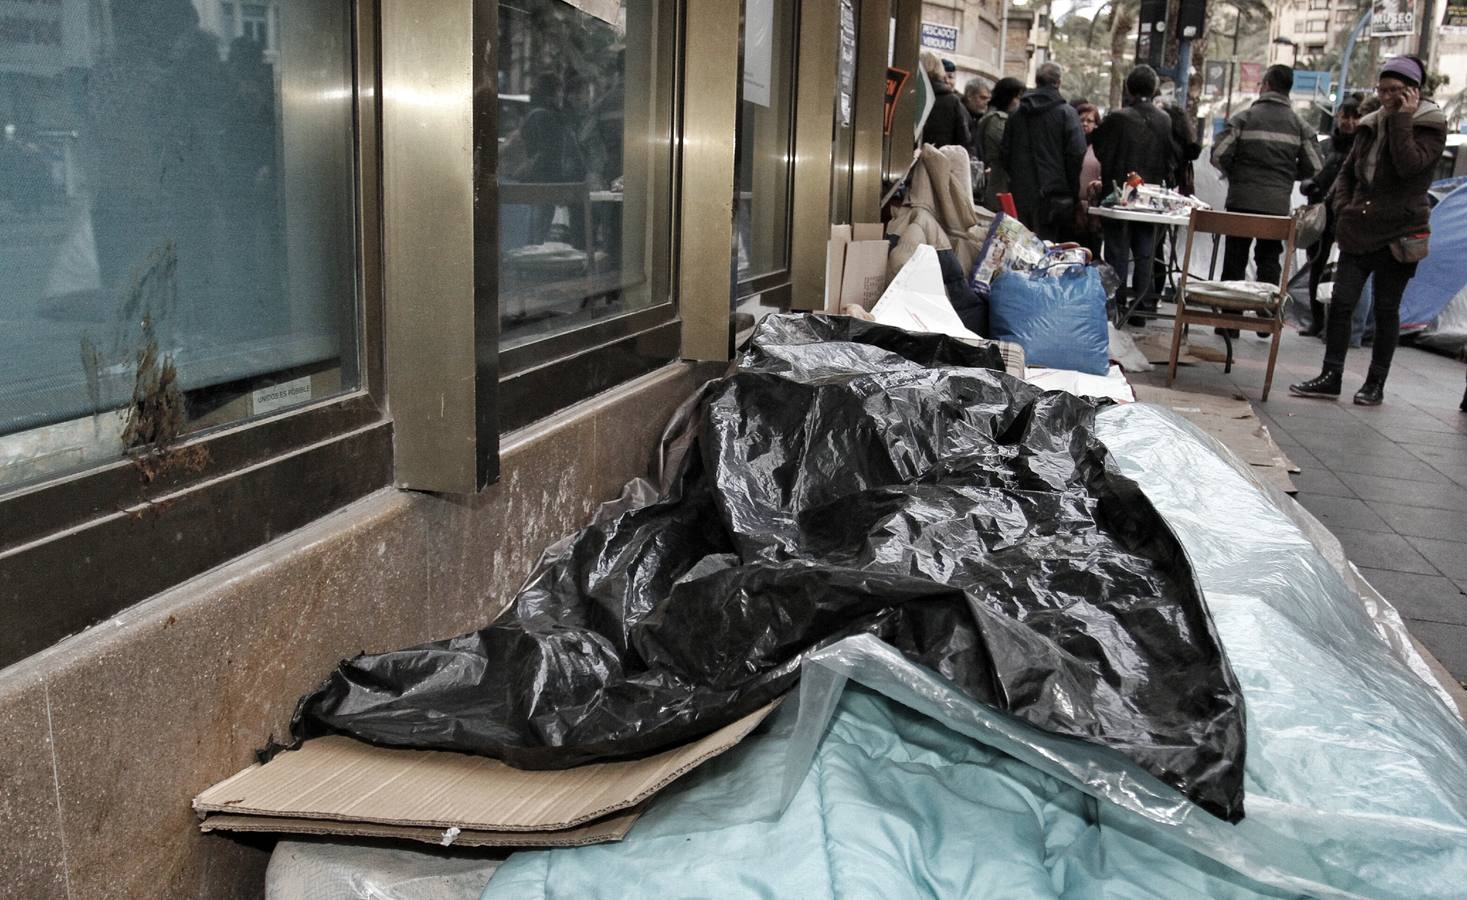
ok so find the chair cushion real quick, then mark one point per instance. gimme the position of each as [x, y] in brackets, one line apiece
[1242, 295]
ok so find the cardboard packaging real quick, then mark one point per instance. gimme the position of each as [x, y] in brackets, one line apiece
[855, 265]
[339, 786]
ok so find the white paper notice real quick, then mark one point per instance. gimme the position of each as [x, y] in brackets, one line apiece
[758, 50]
[917, 300]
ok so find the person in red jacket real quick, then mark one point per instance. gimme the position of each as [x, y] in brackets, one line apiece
[1381, 222]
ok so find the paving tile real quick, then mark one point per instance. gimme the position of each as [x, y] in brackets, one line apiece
[1410, 493]
[1340, 461]
[1448, 643]
[1457, 474]
[1356, 439]
[1454, 418]
[1316, 479]
[1287, 408]
[1437, 455]
[1344, 425]
[1343, 512]
[1451, 440]
[1420, 522]
[1429, 598]
[1386, 419]
[1304, 459]
[1448, 557]
[1282, 437]
[1382, 550]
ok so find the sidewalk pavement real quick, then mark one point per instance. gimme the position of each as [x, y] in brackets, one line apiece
[1389, 481]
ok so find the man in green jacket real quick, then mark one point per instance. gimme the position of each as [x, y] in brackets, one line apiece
[1265, 149]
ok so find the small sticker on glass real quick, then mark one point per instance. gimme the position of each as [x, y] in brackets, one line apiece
[279, 396]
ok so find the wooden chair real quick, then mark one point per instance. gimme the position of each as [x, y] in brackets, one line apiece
[1204, 302]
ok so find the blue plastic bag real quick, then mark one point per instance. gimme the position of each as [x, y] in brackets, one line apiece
[1057, 315]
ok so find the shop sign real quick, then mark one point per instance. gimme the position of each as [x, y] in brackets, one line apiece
[1214, 77]
[1454, 21]
[42, 37]
[1307, 82]
[939, 37]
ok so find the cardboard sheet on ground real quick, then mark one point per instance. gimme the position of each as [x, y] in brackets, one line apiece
[336, 785]
[917, 301]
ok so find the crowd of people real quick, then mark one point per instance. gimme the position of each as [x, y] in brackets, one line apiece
[1055, 157]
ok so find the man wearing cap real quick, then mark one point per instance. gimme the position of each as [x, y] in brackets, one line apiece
[1382, 222]
[1265, 149]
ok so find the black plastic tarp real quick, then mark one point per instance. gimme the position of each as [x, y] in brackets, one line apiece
[845, 478]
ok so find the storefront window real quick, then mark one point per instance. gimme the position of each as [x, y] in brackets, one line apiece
[177, 222]
[584, 166]
[764, 160]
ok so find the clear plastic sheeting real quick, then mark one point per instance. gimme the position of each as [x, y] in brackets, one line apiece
[847, 478]
[1356, 768]
[895, 806]
[1388, 622]
[337, 870]
[1356, 774]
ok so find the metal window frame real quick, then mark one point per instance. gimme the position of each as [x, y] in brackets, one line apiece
[774, 285]
[542, 376]
[814, 150]
[79, 548]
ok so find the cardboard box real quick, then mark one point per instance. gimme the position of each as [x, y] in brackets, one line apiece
[855, 265]
[337, 785]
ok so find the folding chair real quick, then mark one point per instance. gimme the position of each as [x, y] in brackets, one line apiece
[1215, 303]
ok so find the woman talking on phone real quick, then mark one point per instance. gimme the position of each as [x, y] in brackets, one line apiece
[1381, 222]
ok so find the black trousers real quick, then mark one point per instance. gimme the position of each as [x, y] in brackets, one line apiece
[1391, 277]
[1132, 243]
[1267, 255]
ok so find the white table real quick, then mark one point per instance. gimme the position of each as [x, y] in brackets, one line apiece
[1170, 221]
[1151, 216]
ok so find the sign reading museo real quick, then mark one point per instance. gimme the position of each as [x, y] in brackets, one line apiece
[1392, 18]
[939, 37]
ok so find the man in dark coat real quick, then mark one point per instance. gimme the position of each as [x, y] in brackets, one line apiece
[1136, 138]
[1043, 147]
[1265, 149]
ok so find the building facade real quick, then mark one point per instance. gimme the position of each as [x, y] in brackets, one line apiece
[966, 32]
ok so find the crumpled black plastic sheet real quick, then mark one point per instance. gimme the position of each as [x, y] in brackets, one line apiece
[845, 478]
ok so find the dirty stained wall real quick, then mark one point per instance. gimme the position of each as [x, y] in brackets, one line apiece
[106, 737]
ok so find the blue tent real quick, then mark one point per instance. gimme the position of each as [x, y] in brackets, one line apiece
[1438, 294]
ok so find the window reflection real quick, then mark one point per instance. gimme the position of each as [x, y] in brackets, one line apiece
[584, 167]
[176, 221]
[764, 138]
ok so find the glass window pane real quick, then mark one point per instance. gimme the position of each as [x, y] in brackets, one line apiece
[177, 222]
[585, 164]
[763, 182]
